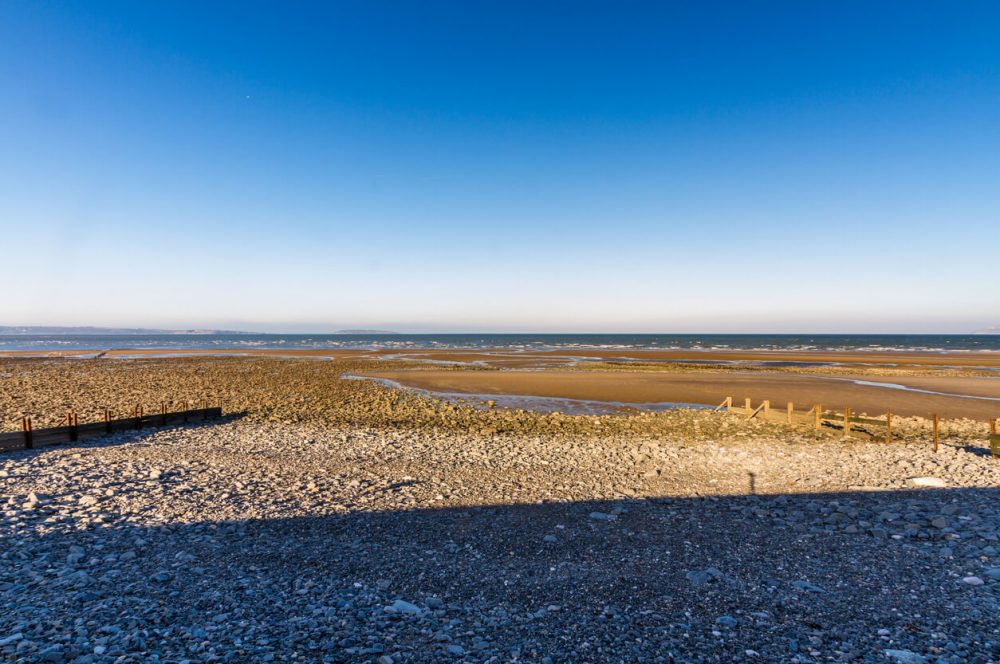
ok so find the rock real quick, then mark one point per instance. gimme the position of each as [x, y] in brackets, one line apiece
[385, 659]
[402, 606]
[601, 516]
[434, 603]
[905, 656]
[727, 621]
[973, 581]
[549, 538]
[699, 578]
[13, 638]
[939, 522]
[931, 482]
[455, 650]
[161, 577]
[716, 573]
[52, 654]
[808, 587]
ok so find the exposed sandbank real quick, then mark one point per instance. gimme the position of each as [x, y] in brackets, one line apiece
[712, 388]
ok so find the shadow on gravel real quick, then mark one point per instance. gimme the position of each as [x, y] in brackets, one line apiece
[805, 577]
[977, 450]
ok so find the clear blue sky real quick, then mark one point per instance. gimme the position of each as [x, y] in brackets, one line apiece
[502, 166]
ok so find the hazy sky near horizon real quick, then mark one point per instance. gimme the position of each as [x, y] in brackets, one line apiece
[501, 166]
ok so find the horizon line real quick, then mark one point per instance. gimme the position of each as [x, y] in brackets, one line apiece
[208, 331]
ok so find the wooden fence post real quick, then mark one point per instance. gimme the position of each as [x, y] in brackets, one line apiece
[767, 409]
[888, 426]
[729, 404]
[791, 408]
[935, 432]
[29, 443]
[163, 413]
[746, 404]
[74, 435]
[138, 416]
[993, 432]
[107, 420]
[816, 410]
[847, 420]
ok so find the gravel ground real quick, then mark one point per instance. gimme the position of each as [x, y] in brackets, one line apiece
[340, 521]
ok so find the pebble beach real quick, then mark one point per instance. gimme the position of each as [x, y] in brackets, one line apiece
[336, 520]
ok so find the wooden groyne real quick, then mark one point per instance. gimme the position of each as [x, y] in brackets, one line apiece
[845, 420]
[71, 430]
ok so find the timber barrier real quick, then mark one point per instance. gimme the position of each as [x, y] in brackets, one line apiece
[846, 421]
[70, 430]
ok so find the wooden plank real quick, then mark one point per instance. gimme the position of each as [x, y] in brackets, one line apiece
[51, 436]
[868, 420]
[935, 432]
[12, 435]
[839, 417]
[12, 441]
[91, 430]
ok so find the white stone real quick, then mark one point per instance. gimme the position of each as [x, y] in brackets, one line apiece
[932, 482]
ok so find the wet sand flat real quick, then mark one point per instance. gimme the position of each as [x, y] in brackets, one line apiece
[507, 357]
[962, 359]
[712, 388]
[900, 358]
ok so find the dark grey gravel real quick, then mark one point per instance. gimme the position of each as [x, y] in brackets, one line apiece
[272, 542]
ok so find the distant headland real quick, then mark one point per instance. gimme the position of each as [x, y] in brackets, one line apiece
[84, 330]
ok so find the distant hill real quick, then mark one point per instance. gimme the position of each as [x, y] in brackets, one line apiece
[989, 330]
[364, 332]
[79, 331]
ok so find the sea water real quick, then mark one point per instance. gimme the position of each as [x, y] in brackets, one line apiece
[508, 342]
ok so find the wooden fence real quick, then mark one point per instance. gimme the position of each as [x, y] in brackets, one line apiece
[845, 421]
[71, 430]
